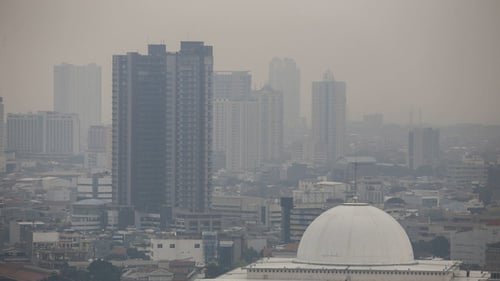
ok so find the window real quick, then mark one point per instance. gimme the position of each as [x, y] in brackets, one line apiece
[159, 246]
[197, 246]
[172, 246]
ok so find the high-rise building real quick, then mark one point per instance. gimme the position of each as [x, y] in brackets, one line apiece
[284, 76]
[271, 124]
[43, 133]
[236, 132]
[2, 138]
[162, 133]
[423, 147]
[232, 84]
[328, 119]
[77, 89]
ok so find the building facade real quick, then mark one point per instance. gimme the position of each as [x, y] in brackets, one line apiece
[162, 133]
[284, 76]
[77, 89]
[271, 124]
[423, 147]
[236, 133]
[3, 159]
[328, 119]
[43, 133]
[232, 84]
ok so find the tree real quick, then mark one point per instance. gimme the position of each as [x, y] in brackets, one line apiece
[440, 247]
[103, 271]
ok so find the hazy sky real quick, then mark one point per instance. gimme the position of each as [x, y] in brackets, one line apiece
[442, 56]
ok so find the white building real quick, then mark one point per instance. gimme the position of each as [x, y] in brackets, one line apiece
[43, 133]
[370, 190]
[177, 249]
[317, 194]
[472, 169]
[77, 89]
[328, 119]
[236, 133]
[470, 246]
[355, 242]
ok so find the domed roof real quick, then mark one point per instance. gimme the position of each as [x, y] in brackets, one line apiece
[355, 234]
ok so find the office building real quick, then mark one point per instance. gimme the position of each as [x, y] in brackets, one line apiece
[44, 133]
[232, 84]
[162, 132]
[77, 89]
[271, 124]
[3, 159]
[236, 133]
[328, 119]
[423, 148]
[284, 76]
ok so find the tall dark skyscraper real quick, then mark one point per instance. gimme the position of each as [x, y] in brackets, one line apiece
[162, 112]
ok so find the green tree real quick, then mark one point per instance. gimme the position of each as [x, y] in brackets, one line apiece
[100, 270]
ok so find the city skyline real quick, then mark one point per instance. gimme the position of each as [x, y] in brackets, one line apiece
[415, 54]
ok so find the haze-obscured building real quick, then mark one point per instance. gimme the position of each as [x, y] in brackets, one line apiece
[271, 124]
[423, 148]
[328, 119]
[232, 84]
[284, 76]
[77, 89]
[43, 133]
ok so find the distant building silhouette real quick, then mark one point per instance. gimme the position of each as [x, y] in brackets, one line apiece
[43, 133]
[162, 132]
[423, 147]
[2, 138]
[284, 76]
[98, 156]
[328, 119]
[236, 132]
[271, 124]
[77, 89]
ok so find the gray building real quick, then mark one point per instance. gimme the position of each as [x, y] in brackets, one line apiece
[423, 147]
[2, 138]
[162, 133]
[232, 84]
[271, 124]
[328, 119]
[284, 76]
[77, 89]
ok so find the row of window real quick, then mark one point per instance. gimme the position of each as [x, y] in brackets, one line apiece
[332, 271]
[172, 246]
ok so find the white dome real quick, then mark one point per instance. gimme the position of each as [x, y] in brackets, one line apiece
[355, 234]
